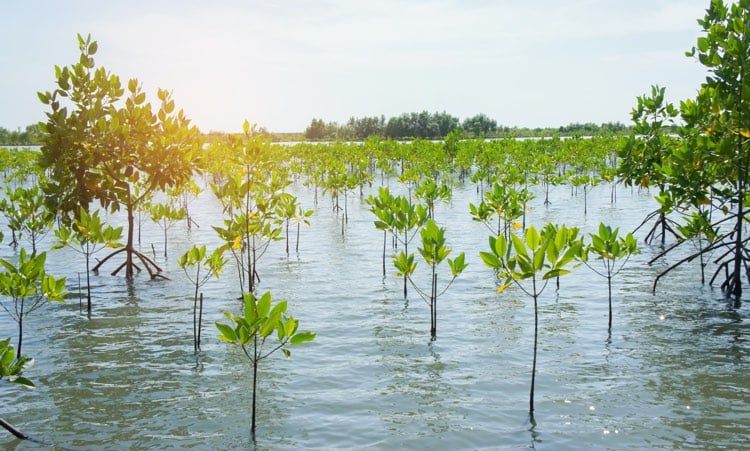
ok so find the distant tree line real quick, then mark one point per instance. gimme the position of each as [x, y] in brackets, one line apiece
[427, 125]
[28, 137]
[589, 128]
[422, 125]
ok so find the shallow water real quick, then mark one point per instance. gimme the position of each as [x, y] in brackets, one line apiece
[674, 373]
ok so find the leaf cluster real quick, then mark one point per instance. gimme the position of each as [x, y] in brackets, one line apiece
[88, 234]
[261, 321]
[534, 255]
[196, 258]
[607, 246]
[11, 367]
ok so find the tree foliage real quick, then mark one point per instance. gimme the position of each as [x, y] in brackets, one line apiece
[104, 142]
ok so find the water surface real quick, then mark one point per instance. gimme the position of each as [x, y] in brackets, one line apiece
[673, 374]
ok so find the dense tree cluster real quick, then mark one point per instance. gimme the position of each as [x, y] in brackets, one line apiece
[590, 129]
[479, 125]
[423, 125]
[427, 125]
[29, 137]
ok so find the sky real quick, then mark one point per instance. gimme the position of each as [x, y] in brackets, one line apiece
[279, 64]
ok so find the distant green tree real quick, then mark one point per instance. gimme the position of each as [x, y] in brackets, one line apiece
[30, 136]
[479, 125]
[363, 128]
[446, 123]
[316, 130]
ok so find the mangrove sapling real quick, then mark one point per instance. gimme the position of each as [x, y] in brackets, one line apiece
[429, 192]
[166, 216]
[434, 251]
[397, 216]
[196, 259]
[380, 206]
[251, 203]
[288, 209]
[505, 202]
[406, 217]
[536, 258]
[249, 191]
[186, 193]
[261, 321]
[250, 231]
[26, 287]
[646, 155]
[27, 215]
[609, 248]
[584, 181]
[87, 236]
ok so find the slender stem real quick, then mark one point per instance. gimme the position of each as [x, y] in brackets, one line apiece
[195, 310]
[88, 281]
[200, 318]
[533, 364]
[609, 288]
[385, 237]
[20, 331]
[255, 384]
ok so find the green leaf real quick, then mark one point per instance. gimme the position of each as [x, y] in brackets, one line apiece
[20, 380]
[490, 260]
[532, 238]
[555, 273]
[518, 245]
[278, 309]
[268, 326]
[227, 332]
[290, 327]
[302, 337]
[264, 305]
[703, 44]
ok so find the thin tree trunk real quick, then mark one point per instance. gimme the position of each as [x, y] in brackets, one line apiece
[406, 252]
[200, 319]
[88, 282]
[736, 276]
[129, 248]
[609, 288]
[296, 247]
[533, 364]
[385, 237]
[433, 305]
[255, 385]
[195, 310]
[20, 333]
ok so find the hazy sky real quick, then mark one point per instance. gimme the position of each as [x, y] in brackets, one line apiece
[281, 63]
